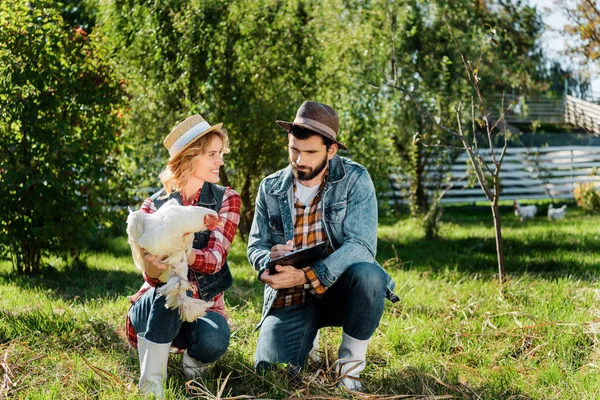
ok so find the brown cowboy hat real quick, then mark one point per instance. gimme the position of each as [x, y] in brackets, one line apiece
[186, 133]
[317, 117]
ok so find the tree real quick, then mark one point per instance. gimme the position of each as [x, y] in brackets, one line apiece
[487, 176]
[585, 18]
[59, 133]
[367, 42]
[244, 63]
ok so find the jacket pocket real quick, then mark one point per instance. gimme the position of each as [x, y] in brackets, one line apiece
[336, 213]
[276, 230]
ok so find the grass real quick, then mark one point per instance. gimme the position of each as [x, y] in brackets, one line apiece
[453, 334]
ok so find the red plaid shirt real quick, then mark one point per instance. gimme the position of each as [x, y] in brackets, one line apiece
[209, 260]
[308, 231]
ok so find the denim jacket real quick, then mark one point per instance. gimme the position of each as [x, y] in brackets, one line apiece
[349, 209]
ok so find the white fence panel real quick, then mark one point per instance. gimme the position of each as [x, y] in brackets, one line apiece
[527, 173]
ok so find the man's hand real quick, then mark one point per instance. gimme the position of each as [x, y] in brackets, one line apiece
[154, 265]
[286, 277]
[280, 250]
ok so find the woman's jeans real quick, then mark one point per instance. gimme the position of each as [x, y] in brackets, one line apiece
[354, 302]
[205, 339]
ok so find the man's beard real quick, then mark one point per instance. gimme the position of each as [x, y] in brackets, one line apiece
[309, 173]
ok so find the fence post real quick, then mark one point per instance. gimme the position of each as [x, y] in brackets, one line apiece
[572, 174]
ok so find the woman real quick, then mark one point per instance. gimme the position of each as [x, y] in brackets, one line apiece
[196, 154]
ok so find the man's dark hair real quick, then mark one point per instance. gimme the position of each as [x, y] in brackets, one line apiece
[302, 133]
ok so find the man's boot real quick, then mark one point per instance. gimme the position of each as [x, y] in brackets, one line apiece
[153, 366]
[351, 361]
[314, 354]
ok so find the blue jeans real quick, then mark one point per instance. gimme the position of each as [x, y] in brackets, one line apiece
[205, 339]
[355, 302]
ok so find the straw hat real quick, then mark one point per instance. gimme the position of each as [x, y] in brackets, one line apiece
[317, 117]
[186, 133]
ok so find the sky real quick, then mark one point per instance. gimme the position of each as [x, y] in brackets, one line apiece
[554, 41]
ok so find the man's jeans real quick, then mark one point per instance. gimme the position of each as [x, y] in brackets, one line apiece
[205, 339]
[354, 302]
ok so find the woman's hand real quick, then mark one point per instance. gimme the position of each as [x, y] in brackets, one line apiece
[154, 266]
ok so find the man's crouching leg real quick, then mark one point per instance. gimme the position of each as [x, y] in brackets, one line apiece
[365, 288]
[286, 338]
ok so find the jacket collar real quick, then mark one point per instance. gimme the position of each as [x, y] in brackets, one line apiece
[207, 195]
[284, 180]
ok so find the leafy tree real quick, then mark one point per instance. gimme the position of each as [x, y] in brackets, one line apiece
[585, 18]
[244, 63]
[248, 63]
[368, 43]
[59, 133]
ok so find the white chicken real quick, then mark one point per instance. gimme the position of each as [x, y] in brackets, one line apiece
[524, 212]
[168, 235]
[557, 213]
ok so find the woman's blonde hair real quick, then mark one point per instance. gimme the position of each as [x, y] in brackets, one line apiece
[181, 167]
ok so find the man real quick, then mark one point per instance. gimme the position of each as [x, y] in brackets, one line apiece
[319, 197]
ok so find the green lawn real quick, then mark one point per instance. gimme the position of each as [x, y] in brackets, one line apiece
[453, 334]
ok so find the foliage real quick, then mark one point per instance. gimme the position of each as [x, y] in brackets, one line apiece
[244, 63]
[585, 18]
[587, 196]
[249, 63]
[368, 43]
[560, 79]
[61, 334]
[59, 133]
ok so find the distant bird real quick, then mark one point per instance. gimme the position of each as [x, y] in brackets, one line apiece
[524, 212]
[168, 235]
[557, 213]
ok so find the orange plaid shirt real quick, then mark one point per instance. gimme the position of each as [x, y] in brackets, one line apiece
[309, 230]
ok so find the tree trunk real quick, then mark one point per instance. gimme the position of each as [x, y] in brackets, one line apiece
[25, 259]
[498, 232]
[247, 211]
[418, 201]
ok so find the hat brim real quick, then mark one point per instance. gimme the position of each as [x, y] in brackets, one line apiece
[288, 126]
[191, 142]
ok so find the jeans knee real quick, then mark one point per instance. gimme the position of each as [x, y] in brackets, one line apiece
[211, 350]
[368, 277]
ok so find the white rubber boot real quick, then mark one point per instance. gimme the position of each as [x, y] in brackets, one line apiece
[351, 361]
[314, 354]
[153, 366]
[192, 368]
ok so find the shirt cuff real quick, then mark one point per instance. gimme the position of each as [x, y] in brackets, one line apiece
[316, 287]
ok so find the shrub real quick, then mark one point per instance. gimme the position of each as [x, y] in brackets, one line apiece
[58, 133]
[587, 196]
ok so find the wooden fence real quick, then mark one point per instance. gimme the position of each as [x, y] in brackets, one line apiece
[583, 114]
[527, 110]
[527, 173]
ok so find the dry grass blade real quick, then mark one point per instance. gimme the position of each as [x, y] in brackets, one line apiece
[198, 390]
[202, 391]
[7, 376]
[110, 378]
[416, 397]
[315, 398]
[365, 396]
